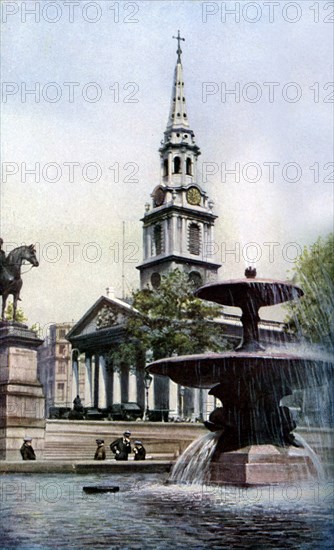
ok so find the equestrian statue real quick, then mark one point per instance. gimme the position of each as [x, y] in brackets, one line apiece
[10, 273]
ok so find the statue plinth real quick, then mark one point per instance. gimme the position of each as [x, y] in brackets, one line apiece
[22, 403]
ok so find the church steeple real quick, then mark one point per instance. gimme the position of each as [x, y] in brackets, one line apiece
[178, 111]
[178, 150]
[178, 230]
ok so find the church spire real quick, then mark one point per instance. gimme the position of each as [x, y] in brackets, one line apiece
[178, 150]
[178, 117]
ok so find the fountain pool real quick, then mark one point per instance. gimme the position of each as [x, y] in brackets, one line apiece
[51, 511]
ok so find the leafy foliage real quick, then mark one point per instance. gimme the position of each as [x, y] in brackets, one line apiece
[171, 320]
[20, 316]
[313, 315]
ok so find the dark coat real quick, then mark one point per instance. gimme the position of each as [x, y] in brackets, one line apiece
[27, 452]
[140, 452]
[121, 448]
[100, 453]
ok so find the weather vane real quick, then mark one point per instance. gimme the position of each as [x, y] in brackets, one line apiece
[179, 51]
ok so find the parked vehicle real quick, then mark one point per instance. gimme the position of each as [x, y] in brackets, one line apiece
[93, 414]
[158, 415]
[57, 413]
[125, 411]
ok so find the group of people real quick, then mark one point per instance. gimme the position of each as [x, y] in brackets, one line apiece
[121, 448]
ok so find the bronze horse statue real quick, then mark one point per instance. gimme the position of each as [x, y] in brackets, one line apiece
[10, 274]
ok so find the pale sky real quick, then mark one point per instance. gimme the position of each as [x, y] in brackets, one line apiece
[118, 122]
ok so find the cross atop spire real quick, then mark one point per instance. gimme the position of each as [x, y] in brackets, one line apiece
[179, 51]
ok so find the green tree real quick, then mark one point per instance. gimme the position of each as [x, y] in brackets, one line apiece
[171, 320]
[20, 316]
[313, 315]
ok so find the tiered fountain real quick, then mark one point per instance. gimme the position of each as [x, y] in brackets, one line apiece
[255, 443]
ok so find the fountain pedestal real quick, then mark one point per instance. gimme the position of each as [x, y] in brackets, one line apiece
[22, 403]
[262, 465]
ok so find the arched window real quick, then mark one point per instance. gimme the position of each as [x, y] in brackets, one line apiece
[189, 167]
[166, 167]
[158, 240]
[194, 239]
[177, 165]
[195, 279]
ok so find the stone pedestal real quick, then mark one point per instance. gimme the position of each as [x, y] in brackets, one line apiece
[262, 465]
[22, 403]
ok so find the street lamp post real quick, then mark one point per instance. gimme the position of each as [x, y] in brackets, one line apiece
[147, 382]
[75, 354]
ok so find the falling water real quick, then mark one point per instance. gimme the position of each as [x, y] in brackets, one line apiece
[313, 456]
[193, 465]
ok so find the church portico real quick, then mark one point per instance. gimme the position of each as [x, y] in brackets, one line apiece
[94, 338]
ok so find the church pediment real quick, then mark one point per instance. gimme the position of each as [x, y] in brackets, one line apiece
[105, 313]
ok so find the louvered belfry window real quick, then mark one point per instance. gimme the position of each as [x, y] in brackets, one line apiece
[177, 165]
[189, 167]
[194, 242]
[158, 240]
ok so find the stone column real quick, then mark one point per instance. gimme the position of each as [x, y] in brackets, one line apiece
[173, 400]
[110, 382]
[196, 413]
[140, 373]
[102, 399]
[184, 237]
[161, 394]
[75, 376]
[132, 388]
[149, 242]
[22, 403]
[170, 167]
[88, 382]
[188, 402]
[167, 236]
[96, 381]
[117, 388]
[124, 383]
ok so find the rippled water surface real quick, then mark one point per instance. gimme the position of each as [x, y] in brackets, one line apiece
[52, 512]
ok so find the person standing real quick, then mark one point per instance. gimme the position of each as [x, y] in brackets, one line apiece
[139, 450]
[27, 452]
[121, 447]
[100, 453]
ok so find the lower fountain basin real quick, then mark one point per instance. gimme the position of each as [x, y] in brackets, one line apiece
[260, 369]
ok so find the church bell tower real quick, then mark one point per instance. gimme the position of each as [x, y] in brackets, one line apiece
[178, 225]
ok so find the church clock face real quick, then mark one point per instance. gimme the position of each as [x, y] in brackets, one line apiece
[159, 196]
[194, 196]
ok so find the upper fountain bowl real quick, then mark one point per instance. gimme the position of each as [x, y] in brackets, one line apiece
[259, 292]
